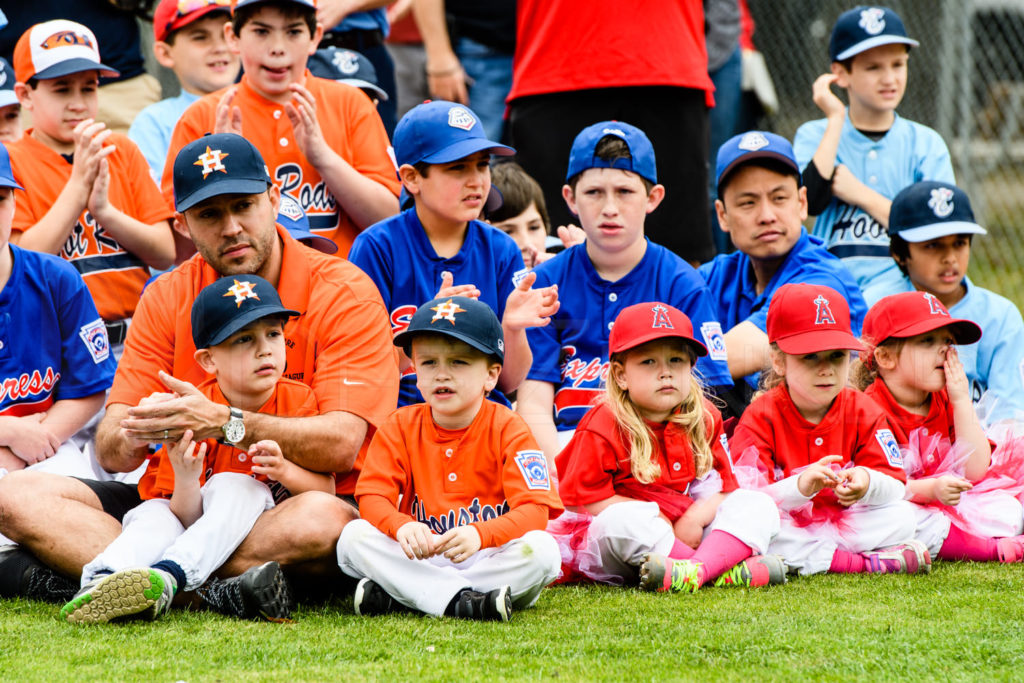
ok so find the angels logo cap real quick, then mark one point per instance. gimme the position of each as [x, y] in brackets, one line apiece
[928, 210]
[582, 157]
[754, 144]
[806, 318]
[468, 320]
[641, 323]
[346, 66]
[863, 28]
[57, 48]
[912, 313]
[170, 15]
[222, 163]
[439, 132]
[6, 172]
[229, 304]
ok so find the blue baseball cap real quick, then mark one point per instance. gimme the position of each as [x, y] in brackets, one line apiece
[222, 163]
[755, 144]
[468, 320]
[293, 218]
[582, 156]
[6, 172]
[229, 304]
[863, 28]
[7, 96]
[439, 132]
[928, 210]
[346, 66]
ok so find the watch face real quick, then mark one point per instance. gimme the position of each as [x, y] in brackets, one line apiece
[234, 430]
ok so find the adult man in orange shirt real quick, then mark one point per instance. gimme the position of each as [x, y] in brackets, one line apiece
[339, 345]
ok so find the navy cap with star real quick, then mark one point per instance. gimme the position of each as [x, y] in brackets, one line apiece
[229, 304]
[468, 320]
[222, 163]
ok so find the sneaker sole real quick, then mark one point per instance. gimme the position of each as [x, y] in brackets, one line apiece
[503, 604]
[118, 595]
[267, 595]
[652, 573]
[359, 596]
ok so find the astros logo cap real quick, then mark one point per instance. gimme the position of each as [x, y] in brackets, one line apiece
[467, 320]
[641, 323]
[223, 163]
[805, 318]
[911, 313]
[229, 304]
[170, 15]
[754, 144]
[346, 66]
[863, 28]
[439, 132]
[6, 172]
[582, 157]
[57, 48]
[928, 210]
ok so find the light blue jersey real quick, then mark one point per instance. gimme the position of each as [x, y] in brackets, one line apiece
[908, 153]
[996, 363]
[151, 130]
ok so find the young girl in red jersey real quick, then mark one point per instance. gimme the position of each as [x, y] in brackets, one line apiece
[827, 449]
[647, 477]
[965, 494]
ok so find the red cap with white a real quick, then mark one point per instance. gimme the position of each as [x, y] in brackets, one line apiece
[805, 318]
[909, 314]
[641, 323]
[57, 48]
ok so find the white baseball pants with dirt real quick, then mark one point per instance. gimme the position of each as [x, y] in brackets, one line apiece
[880, 519]
[526, 564]
[625, 532]
[150, 532]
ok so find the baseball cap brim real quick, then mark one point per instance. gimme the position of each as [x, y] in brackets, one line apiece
[318, 242]
[964, 331]
[235, 324]
[463, 148]
[365, 85]
[227, 186]
[816, 341]
[10, 182]
[875, 41]
[74, 66]
[7, 98]
[634, 342]
[926, 233]
[760, 154]
[403, 340]
[196, 15]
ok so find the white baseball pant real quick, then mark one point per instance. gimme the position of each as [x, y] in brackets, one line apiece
[527, 564]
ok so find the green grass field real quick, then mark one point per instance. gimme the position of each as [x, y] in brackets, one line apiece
[961, 622]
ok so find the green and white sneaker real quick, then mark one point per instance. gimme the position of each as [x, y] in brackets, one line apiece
[660, 573]
[142, 592]
[759, 570]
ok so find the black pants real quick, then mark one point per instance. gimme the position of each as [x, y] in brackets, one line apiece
[542, 128]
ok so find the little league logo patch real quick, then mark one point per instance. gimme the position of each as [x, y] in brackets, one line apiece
[534, 469]
[211, 160]
[724, 440]
[872, 20]
[751, 142]
[518, 276]
[823, 316]
[95, 337]
[714, 340]
[459, 117]
[446, 311]
[889, 446]
[242, 291]
[941, 202]
[290, 208]
[346, 62]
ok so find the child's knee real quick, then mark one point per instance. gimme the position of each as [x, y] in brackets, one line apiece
[543, 550]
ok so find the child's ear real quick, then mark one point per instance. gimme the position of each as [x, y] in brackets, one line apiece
[885, 358]
[410, 178]
[493, 371]
[654, 197]
[842, 75]
[570, 199]
[618, 373]
[231, 37]
[24, 95]
[162, 52]
[318, 34]
[778, 362]
[205, 360]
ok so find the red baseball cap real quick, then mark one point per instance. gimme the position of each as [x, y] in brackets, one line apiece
[641, 323]
[170, 15]
[912, 313]
[805, 318]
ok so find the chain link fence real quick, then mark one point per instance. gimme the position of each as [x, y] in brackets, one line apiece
[966, 80]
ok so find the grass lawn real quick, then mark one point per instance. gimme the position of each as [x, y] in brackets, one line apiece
[960, 622]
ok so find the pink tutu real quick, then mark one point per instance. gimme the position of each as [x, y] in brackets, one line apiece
[581, 558]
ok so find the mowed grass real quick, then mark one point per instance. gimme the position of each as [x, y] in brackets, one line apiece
[961, 622]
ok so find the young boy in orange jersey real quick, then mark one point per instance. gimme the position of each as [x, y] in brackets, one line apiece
[89, 196]
[324, 143]
[455, 494]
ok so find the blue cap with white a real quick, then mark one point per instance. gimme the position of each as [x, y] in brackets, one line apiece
[7, 96]
[222, 163]
[641, 151]
[929, 210]
[346, 66]
[863, 28]
[755, 144]
[6, 172]
[293, 218]
[439, 132]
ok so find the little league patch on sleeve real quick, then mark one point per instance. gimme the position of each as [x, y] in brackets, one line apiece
[713, 339]
[518, 276]
[534, 467]
[888, 443]
[95, 337]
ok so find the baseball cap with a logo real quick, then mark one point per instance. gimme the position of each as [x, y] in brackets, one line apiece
[641, 323]
[909, 314]
[238, 4]
[929, 210]
[348, 67]
[57, 48]
[7, 96]
[6, 172]
[439, 132]
[754, 144]
[170, 15]
[863, 28]
[222, 163]
[229, 304]
[293, 218]
[806, 318]
[468, 320]
[641, 151]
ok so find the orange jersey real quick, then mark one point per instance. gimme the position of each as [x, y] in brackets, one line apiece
[114, 276]
[290, 399]
[350, 125]
[340, 345]
[491, 475]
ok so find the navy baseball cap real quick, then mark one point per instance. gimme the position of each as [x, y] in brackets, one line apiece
[6, 172]
[582, 156]
[928, 210]
[468, 320]
[439, 132]
[346, 66]
[7, 96]
[863, 28]
[293, 218]
[755, 144]
[229, 304]
[222, 163]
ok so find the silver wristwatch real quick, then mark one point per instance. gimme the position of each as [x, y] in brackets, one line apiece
[234, 428]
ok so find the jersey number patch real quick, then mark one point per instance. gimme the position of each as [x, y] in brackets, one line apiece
[534, 468]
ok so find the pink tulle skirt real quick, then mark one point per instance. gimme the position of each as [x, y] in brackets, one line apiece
[581, 558]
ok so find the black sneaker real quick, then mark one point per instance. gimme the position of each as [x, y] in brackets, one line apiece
[35, 581]
[370, 600]
[260, 593]
[495, 605]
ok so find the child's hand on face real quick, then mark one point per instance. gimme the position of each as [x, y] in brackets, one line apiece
[947, 488]
[267, 459]
[817, 476]
[957, 384]
[186, 461]
[827, 100]
[852, 486]
[459, 544]
[527, 307]
[416, 540]
[448, 289]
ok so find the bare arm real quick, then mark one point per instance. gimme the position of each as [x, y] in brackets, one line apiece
[966, 425]
[267, 459]
[67, 416]
[518, 359]
[115, 452]
[848, 188]
[524, 307]
[535, 403]
[330, 13]
[748, 349]
[835, 113]
[446, 79]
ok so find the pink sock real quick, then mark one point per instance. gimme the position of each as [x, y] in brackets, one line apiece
[845, 562]
[960, 545]
[719, 552]
[680, 551]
